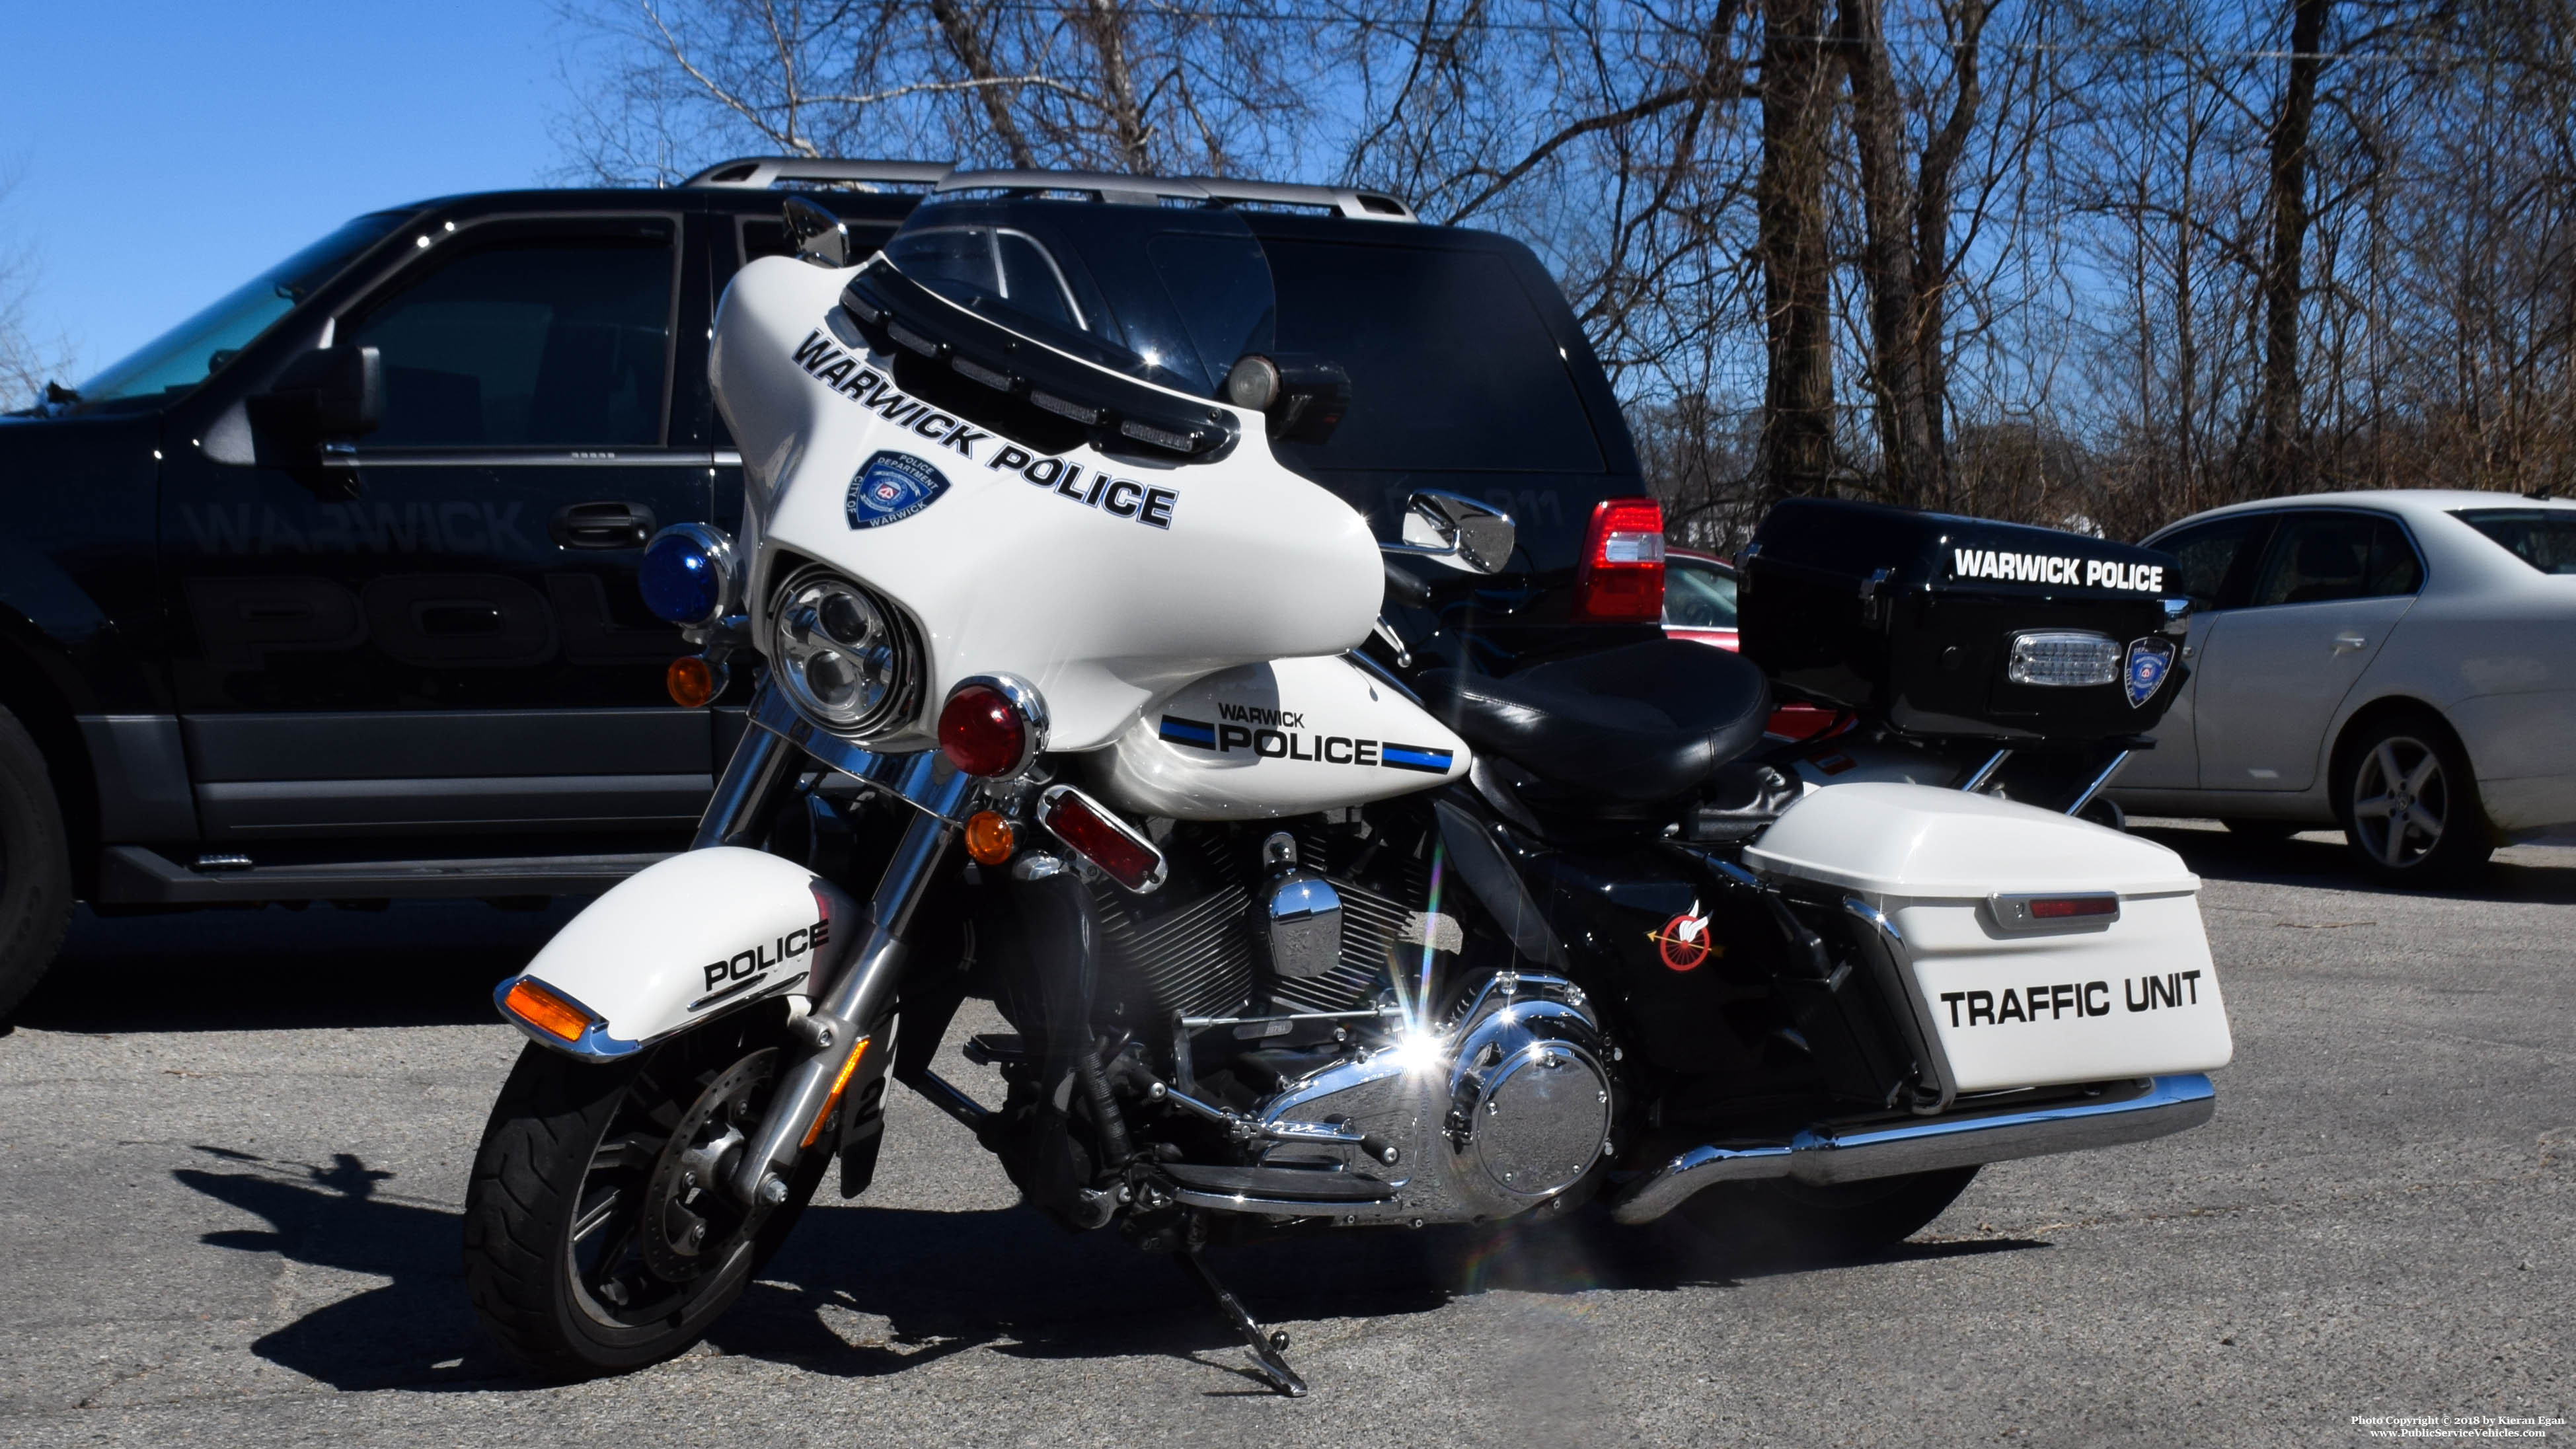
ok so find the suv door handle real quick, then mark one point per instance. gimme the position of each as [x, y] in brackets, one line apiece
[602, 525]
[2346, 642]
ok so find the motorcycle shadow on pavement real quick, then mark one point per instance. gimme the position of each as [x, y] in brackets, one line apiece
[863, 1291]
[416, 1331]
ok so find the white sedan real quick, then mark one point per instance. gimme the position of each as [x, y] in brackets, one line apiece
[2401, 664]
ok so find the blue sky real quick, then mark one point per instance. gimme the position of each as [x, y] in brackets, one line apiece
[165, 152]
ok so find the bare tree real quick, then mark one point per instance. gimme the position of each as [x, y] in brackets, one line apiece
[26, 363]
[2280, 467]
[1094, 84]
[1797, 105]
[2087, 262]
[1888, 263]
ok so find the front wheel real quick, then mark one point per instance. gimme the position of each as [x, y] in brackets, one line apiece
[597, 1236]
[1785, 1218]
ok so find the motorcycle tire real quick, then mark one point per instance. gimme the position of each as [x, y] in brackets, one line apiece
[35, 866]
[1785, 1219]
[576, 1253]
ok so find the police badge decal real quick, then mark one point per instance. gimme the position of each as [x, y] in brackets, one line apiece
[891, 487]
[2150, 660]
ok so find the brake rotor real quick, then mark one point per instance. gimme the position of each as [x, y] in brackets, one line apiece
[690, 1223]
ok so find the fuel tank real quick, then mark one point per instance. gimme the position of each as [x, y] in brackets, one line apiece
[1106, 580]
[1282, 737]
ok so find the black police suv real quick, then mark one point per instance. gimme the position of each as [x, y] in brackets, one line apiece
[329, 593]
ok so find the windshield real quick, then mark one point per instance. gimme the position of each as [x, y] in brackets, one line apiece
[189, 353]
[2544, 538]
[1171, 296]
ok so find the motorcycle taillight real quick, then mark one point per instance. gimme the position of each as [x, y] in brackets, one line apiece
[1101, 838]
[1622, 577]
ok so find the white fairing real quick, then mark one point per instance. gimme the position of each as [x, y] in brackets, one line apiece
[1105, 588]
[2135, 997]
[1278, 738]
[693, 936]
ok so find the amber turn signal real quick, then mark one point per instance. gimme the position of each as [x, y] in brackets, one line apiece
[693, 681]
[840, 1083]
[990, 839]
[546, 1011]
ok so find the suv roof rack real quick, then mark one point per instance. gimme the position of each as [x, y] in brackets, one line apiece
[1147, 190]
[759, 173]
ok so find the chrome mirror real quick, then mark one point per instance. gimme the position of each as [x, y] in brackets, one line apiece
[819, 235]
[1471, 535]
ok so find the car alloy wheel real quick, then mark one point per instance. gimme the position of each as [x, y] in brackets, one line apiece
[2401, 802]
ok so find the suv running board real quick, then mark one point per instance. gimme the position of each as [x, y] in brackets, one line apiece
[138, 875]
[2150, 1108]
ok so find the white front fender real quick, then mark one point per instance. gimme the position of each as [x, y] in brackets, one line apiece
[678, 942]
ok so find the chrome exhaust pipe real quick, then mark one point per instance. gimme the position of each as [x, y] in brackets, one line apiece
[1822, 1156]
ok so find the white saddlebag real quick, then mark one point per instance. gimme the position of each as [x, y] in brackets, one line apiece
[2021, 971]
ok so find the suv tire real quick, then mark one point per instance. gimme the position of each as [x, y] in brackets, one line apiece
[35, 866]
[2408, 802]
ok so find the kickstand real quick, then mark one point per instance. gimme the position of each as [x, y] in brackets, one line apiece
[1269, 1349]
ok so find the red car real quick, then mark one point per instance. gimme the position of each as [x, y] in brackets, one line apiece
[1699, 604]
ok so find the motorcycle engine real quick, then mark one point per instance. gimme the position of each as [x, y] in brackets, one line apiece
[1197, 947]
[1266, 984]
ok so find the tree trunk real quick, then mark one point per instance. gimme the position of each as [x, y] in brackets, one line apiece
[2282, 465]
[957, 29]
[1108, 31]
[1797, 283]
[1887, 259]
[1933, 195]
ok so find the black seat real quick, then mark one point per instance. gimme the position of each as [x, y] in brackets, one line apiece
[1646, 724]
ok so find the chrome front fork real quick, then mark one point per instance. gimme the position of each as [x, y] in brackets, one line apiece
[775, 748]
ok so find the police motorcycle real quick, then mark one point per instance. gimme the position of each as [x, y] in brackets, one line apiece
[1295, 934]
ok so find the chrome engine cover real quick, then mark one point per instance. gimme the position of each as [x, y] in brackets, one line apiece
[1500, 1111]
[1529, 1097]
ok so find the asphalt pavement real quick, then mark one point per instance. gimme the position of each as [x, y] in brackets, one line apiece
[233, 1150]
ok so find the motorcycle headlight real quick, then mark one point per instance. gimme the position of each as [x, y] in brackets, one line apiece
[850, 661]
[688, 575]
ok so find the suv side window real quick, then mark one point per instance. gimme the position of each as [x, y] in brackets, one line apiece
[538, 341]
[2325, 556]
[2208, 554]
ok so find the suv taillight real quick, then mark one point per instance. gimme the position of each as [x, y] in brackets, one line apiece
[1622, 578]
